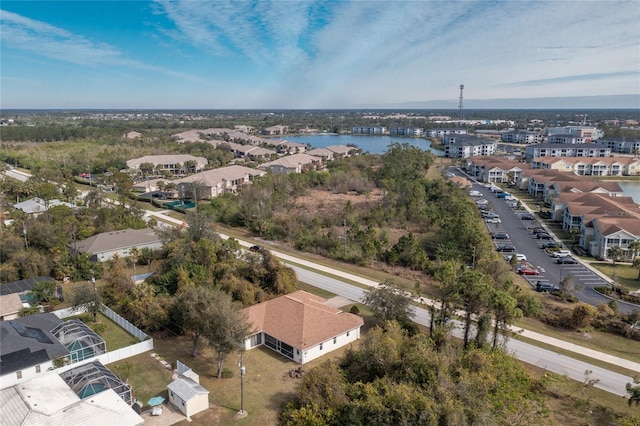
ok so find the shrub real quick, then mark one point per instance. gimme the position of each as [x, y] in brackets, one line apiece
[354, 310]
[227, 373]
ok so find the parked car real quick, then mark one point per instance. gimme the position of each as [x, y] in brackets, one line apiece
[500, 236]
[475, 193]
[493, 220]
[550, 244]
[566, 259]
[510, 198]
[543, 236]
[528, 270]
[561, 253]
[522, 259]
[527, 216]
[482, 202]
[255, 248]
[546, 286]
[537, 231]
[503, 195]
[490, 215]
[495, 189]
[506, 248]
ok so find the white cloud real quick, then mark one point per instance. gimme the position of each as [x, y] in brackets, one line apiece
[25, 34]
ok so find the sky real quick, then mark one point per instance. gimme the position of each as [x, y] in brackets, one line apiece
[314, 54]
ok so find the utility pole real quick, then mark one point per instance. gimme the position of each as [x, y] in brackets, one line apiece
[473, 263]
[24, 232]
[344, 225]
[241, 413]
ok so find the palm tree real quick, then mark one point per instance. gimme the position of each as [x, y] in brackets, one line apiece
[634, 249]
[636, 264]
[615, 253]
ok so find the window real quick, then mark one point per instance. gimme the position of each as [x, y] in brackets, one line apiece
[19, 374]
[37, 368]
[335, 340]
[321, 346]
[348, 333]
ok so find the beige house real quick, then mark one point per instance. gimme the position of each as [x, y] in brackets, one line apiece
[300, 326]
[177, 164]
[10, 306]
[590, 166]
[295, 163]
[211, 183]
[105, 246]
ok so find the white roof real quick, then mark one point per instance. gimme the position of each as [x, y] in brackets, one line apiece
[47, 400]
[186, 388]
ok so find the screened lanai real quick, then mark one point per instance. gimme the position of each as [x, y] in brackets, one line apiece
[80, 340]
[90, 379]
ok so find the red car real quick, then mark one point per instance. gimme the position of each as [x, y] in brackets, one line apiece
[527, 270]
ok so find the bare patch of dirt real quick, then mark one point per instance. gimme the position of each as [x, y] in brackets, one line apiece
[321, 202]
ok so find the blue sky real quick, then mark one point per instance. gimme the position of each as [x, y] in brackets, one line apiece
[308, 54]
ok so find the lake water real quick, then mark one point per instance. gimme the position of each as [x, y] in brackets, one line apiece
[371, 144]
[631, 189]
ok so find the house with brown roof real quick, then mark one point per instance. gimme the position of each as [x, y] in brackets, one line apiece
[295, 163]
[495, 169]
[591, 166]
[177, 164]
[341, 151]
[603, 221]
[613, 229]
[211, 183]
[300, 326]
[324, 153]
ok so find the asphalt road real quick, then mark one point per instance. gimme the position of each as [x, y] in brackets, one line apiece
[526, 243]
[543, 358]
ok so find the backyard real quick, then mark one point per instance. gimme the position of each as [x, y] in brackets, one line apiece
[267, 382]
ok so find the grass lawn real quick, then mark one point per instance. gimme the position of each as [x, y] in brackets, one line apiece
[147, 377]
[605, 342]
[113, 335]
[572, 403]
[626, 275]
[267, 385]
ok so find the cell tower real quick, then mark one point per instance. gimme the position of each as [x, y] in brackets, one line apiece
[460, 104]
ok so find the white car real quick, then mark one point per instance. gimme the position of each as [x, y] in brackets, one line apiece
[510, 198]
[561, 253]
[475, 193]
[482, 202]
[493, 220]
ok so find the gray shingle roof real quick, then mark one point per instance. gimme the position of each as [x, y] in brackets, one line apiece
[117, 240]
[186, 388]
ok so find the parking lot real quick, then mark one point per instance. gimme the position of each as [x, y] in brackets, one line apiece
[520, 235]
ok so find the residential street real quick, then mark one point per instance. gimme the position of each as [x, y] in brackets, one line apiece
[547, 359]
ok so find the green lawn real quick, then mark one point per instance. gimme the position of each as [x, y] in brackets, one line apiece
[626, 276]
[267, 384]
[146, 376]
[114, 335]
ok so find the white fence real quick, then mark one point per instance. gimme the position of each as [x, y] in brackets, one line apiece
[113, 356]
[131, 329]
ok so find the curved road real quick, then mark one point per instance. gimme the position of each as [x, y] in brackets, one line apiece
[543, 358]
[607, 380]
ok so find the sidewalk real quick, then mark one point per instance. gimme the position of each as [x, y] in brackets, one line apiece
[552, 341]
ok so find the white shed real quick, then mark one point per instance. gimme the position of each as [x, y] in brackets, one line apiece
[188, 396]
